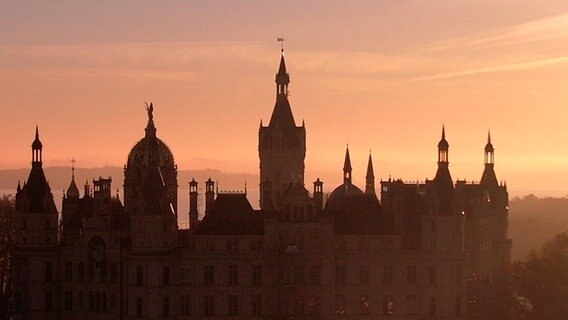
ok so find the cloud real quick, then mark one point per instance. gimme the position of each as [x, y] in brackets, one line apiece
[508, 67]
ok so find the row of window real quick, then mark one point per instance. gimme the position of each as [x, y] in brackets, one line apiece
[388, 275]
[388, 306]
[230, 244]
[208, 275]
[188, 306]
[97, 302]
[99, 270]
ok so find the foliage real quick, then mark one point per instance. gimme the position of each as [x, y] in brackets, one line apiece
[543, 279]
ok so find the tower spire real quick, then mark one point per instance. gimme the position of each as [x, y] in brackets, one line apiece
[37, 147]
[347, 167]
[370, 177]
[443, 147]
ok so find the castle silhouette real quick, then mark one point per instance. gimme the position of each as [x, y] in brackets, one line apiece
[433, 249]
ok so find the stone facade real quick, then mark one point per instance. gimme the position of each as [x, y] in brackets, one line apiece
[410, 255]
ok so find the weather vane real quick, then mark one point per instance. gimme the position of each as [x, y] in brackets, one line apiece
[281, 40]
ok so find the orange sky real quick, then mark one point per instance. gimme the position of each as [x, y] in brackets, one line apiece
[380, 75]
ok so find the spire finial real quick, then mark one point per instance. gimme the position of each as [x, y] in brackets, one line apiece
[73, 167]
[37, 132]
[489, 136]
[443, 132]
[281, 40]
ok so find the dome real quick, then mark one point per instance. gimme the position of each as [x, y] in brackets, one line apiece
[148, 149]
[72, 191]
[337, 197]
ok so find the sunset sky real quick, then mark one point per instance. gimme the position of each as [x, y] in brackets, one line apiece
[378, 75]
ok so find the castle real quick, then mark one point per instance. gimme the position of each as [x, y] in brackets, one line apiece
[413, 254]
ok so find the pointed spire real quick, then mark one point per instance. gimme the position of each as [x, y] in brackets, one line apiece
[347, 167]
[282, 68]
[443, 144]
[370, 171]
[36, 144]
[489, 146]
[72, 191]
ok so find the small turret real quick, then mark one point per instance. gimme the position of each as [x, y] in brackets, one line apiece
[209, 195]
[370, 178]
[193, 214]
[489, 179]
[72, 191]
[318, 195]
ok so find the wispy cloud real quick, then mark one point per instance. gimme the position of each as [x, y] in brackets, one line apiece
[508, 67]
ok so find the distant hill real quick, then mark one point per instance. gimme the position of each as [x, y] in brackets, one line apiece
[59, 177]
[533, 221]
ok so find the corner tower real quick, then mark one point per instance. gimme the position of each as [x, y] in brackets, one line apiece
[281, 146]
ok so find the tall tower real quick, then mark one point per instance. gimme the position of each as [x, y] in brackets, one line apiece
[281, 146]
[36, 213]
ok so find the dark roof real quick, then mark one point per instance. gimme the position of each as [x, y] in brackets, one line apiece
[231, 214]
[282, 115]
[337, 197]
[489, 179]
[359, 215]
[370, 171]
[347, 162]
[35, 196]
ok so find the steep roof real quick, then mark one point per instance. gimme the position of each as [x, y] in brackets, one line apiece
[231, 214]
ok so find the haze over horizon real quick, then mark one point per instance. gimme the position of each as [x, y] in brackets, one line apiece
[381, 75]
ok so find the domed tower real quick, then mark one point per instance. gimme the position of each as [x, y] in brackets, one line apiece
[150, 160]
[150, 191]
[281, 147]
[36, 213]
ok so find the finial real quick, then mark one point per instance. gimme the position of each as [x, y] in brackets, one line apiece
[443, 132]
[73, 167]
[281, 40]
[489, 136]
[37, 132]
[245, 187]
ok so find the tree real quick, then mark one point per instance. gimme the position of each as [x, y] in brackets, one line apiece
[7, 238]
[543, 279]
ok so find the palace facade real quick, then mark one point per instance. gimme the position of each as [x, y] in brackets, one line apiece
[424, 250]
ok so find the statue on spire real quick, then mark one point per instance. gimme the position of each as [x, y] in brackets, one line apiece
[150, 109]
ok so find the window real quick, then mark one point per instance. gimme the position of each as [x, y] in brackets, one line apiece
[166, 276]
[387, 274]
[432, 306]
[233, 305]
[299, 274]
[185, 305]
[256, 245]
[459, 276]
[209, 306]
[166, 307]
[364, 275]
[81, 300]
[411, 274]
[232, 245]
[113, 273]
[340, 275]
[48, 301]
[139, 276]
[411, 305]
[139, 307]
[256, 275]
[257, 305]
[208, 275]
[388, 305]
[81, 272]
[364, 304]
[48, 272]
[68, 301]
[315, 275]
[432, 276]
[340, 305]
[300, 307]
[233, 275]
[68, 271]
[458, 306]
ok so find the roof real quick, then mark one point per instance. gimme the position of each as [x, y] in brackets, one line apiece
[231, 214]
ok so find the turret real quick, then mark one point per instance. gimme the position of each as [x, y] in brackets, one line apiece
[370, 179]
[489, 179]
[318, 195]
[209, 195]
[193, 214]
